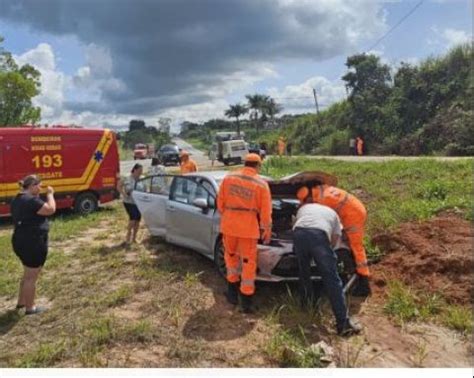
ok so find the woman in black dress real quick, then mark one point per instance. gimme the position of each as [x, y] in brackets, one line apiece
[30, 236]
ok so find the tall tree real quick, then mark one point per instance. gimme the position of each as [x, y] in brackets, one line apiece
[257, 103]
[271, 108]
[368, 81]
[18, 85]
[236, 111]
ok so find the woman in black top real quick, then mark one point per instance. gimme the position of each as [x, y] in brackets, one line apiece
[30, 236]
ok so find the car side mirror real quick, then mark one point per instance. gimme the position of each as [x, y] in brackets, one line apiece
[201, 203]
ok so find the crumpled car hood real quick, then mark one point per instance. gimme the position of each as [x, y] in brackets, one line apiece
[287, 186]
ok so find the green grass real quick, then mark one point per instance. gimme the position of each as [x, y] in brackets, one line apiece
[124, 153]
[46, 354]
[394, 191]
[406, 305]
[62, 228]
[289, 349]
[199, 144]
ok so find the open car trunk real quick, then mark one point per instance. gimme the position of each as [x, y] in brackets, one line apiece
[279, 254]
[285, 203]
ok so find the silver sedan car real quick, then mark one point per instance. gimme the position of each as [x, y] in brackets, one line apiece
[182, 210]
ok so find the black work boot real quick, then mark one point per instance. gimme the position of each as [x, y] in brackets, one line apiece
[246, 304]
[232, 293]
[348, 328]
[362, 288]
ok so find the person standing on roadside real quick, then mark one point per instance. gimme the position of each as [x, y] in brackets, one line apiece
[187, 164]
[130, 206]
[360, 146]
[156, 168]
[30, 237]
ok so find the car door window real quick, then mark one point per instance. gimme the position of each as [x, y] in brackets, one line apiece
[186, 190]
[183, 190]
[143, 185]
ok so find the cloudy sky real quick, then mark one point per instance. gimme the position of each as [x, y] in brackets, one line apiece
[104, 62]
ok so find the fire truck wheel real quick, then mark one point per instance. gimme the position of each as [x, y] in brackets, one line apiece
[85, 203]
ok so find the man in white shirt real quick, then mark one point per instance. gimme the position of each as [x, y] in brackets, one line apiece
[316, 231]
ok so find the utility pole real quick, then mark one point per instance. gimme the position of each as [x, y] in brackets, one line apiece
[317, 108]
[316, 101]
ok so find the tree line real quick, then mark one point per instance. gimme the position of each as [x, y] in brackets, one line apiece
[411, 109]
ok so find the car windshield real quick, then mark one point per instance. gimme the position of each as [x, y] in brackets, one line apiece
[169, 149]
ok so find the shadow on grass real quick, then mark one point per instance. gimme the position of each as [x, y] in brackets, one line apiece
[8, 320]
[221, 321]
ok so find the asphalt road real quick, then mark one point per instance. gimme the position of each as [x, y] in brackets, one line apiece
[200, 157]
[203, 161]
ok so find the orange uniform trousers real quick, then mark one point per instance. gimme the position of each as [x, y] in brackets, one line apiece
[353, 217]
[240, 255]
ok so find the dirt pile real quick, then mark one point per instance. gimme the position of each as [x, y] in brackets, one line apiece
[434, 256]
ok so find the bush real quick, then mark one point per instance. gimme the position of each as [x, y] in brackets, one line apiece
[336, 143]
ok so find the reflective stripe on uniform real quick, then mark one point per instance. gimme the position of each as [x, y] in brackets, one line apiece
[233, 270]
[249, 178]
[250, 283]
[363, 264]
[240, 209]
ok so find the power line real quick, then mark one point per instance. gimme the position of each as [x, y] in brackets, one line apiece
[412, 10]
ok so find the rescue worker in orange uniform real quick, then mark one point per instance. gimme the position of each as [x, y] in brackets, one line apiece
[187, 164]
[281, 146]
[245, 204]
[353, 215]
[360, 146]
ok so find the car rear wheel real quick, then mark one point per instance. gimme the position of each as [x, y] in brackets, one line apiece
[85, 203]
[219, 258]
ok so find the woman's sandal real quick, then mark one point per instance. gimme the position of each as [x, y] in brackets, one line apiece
[35, 310]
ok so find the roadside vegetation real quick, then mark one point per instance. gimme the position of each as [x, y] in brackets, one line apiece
[422, 109]
[395, 191]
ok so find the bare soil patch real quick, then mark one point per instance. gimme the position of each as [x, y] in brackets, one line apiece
[434, 256]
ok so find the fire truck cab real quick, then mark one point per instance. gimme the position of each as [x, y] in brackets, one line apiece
[82, 165]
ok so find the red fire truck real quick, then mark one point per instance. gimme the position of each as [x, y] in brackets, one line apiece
[82, 165]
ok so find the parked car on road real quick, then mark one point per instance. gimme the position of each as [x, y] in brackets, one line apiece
[182, 210]
[254, 148]
[168, 154]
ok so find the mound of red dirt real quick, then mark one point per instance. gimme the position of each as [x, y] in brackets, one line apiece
[434, 256]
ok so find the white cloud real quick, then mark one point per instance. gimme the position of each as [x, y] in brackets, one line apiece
[456, 37]
[299, 98]
[53, 82]
[449, 37]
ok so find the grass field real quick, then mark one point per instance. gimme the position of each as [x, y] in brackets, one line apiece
[395, 191]
[162, 306]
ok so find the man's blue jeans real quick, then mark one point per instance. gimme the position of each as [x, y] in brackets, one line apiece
[313, 244]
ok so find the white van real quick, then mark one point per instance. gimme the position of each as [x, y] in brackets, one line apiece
[232, 151]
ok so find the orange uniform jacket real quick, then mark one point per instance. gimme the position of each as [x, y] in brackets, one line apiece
[244, 199]
[353, 216]
[188, 166]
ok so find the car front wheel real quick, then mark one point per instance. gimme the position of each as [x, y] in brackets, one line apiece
[219, 258]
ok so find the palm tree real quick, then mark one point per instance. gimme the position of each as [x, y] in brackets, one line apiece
[235, 111]
[272, 107]
[257, 104]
